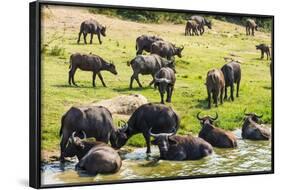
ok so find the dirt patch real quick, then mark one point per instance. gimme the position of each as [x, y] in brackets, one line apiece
[122, 105]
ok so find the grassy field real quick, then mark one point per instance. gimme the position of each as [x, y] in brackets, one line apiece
[201, 53]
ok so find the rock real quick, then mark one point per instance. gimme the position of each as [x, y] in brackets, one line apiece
[124, 104]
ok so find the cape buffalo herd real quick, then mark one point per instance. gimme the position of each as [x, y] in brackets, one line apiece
[154, 120]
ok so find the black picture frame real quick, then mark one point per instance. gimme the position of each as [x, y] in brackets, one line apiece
[35, 92]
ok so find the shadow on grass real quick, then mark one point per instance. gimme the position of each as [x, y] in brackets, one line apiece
[267, 87]
[136, 89]
[203, 104]
[79, 86]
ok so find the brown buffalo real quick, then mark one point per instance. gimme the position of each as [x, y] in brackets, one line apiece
[251, 25]
[92, 27]
[191, 28]
[264, 50]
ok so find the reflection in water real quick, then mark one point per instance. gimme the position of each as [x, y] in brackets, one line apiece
[248, 157]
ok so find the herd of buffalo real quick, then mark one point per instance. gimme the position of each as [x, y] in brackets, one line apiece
[158, 121]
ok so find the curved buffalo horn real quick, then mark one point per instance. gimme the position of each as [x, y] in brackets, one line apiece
[246, 113]
[84, 134]
[198, 117]
[162, 80]
[259, 116]
[182, 47]
[214, 118]
[166, 134]
[152, 134]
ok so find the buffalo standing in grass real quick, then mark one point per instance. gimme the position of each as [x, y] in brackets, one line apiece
[93, 63]
[161, 118]
[174, 147]
[147, 65]
[94, 157]
[165, 81]
[251, 25]
[166, 49]
[232, 74]
[94, 121]
[264, 49]
[144, 42]
[201, 21]
[215, 85]
[191, 28]
[91, 27]
[215, 136]
[252, 130]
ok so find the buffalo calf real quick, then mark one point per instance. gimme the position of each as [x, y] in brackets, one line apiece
[251, 26]
[92, 27]
[264, 50]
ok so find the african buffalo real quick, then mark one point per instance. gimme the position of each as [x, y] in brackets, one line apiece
[95, 121]
[191, 28]
[251, 25]
[94, 157]
[252, 130]
[232, 74]
[215, 136]
[166, 49]
[147, 65]
[93, 63]
[165, 80]
[201, 21]
[144, 42]
[264, 49]
[92, 27]
[174, 147]
[161, 118]
[215, 85]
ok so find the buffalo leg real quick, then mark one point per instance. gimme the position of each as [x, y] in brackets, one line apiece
[162, 97]
[262, 54]
[225, 92]
[94, 79]
[237, 88]
[85, 36]
[138, 81]
[231, 92]
[79, 36]
[91, 40]
[101, 79]
[99, 38]
[147, 140]
[63, 144]
[221, 94]
[131, 81]
[253, 31]
[71, 76]
[246, 31]
[169, 93]
[209, 100]
[215, 97]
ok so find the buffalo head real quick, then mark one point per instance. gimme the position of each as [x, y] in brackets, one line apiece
[75, 144]
[121, 136]
[112, 68]
[253, 116]
[209, 24]
[178, 51]
[163, 141]
[103, 30]
[206, 119]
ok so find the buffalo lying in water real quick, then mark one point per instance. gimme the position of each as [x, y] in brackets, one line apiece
[215, 136]
[94, 157]
[174, 147]
[252, 130]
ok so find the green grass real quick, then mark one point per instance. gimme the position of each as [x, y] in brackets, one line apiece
[201, 53]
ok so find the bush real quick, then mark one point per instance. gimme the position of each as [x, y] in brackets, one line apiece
[57, 51]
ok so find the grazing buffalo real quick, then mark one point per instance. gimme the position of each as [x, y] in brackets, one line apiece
[93, 63]
[232, 74]
[144, 42]
[191, 28]
[91, 27]
[201, 21]
[264, 49]
[252, 130]
[251, 25]
[165, 81]
[215, 85]
[94, 157]
[215, 136]
[161, 118]
[166, 49]
[147, 65]
[174, 147]
[95, 121]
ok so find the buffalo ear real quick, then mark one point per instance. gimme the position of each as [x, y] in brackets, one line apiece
[172, 141]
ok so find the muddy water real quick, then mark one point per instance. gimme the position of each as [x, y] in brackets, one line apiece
[248, 157]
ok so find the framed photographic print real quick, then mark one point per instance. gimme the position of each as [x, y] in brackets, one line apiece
[130, 94]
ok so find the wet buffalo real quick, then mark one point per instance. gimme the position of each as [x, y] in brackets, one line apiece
[92, 27]
[174, 147]
[251, 25]
[232, 74]
[252, 129]
[144, 42]
[166, 49]
[95, 121]
[165, 81]
[147, 65]
[191, 28]
[215, 85]
[93, 63]
[215, 136]
[264, 50]
[94, 157]
[201, 21]
[161, 118]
